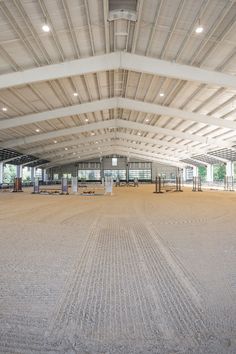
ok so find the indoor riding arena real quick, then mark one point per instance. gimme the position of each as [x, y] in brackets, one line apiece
[117, 177]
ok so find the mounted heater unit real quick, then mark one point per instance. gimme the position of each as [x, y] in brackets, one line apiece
[122, 10]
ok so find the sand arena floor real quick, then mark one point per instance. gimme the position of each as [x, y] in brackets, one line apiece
[132, 273]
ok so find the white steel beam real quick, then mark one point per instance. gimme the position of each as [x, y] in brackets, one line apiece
[130, 147]
[116, 142]
[159, 142]
[165, 68]
[147, 151]
[61, 132]
[151, 108]
[83, 66]
[116, 123]
[82, 140]
[13, 158]
[112, 103]
[79, 158]
[82, 108]
[169, 132]
[115, 61]
[218, 158]
[101, 140]
[97, 148]
[85, 143]
[27, 163]
[160, 151]
[126, 136]
[73, 142]
[116, 150]
[122, 150]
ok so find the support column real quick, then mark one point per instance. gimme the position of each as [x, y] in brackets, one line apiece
[127, 169]
[209, 176]
[1, 172]
[195, 171]
[19, 171]
[184, 174]
[45, 175]
[229, 169]
[32, 174]
[101, 169]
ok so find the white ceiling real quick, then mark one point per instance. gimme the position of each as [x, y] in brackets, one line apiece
[118, 68]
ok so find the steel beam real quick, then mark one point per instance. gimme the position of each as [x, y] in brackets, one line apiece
[115, 61]
[113, 103]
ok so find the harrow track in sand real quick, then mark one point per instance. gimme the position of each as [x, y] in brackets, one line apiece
[122, 274]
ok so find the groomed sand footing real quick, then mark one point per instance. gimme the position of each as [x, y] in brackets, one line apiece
[135, 272]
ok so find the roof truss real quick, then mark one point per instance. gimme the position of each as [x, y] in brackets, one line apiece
[116, 123]
[113, 103]
[115, 61]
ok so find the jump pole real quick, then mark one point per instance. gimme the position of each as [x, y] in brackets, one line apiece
[158, 181]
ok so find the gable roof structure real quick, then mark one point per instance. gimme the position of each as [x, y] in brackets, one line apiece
[128, 77]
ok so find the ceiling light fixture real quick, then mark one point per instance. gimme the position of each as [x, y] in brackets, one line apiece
[75, 94]
[45, 27]
[55, 141]
[86, 120]
[4, 109]
[66, 149]
[37, 130]
[92, 133]
[161, 94]
[146, 120]
[199, 28]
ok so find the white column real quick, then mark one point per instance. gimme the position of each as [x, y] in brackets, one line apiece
[195, 171]
[45, 175]
[184, 176]
[32, 174]
[229, 169]
[209, 176]
[19, 171]
[1, 172]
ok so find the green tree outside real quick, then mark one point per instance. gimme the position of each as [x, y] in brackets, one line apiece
[202, 172]
[219, 172]
[9, 173]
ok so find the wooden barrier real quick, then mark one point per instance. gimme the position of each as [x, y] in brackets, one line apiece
[17, 185]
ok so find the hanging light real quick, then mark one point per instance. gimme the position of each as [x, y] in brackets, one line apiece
[45, 26]
[199, 28]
